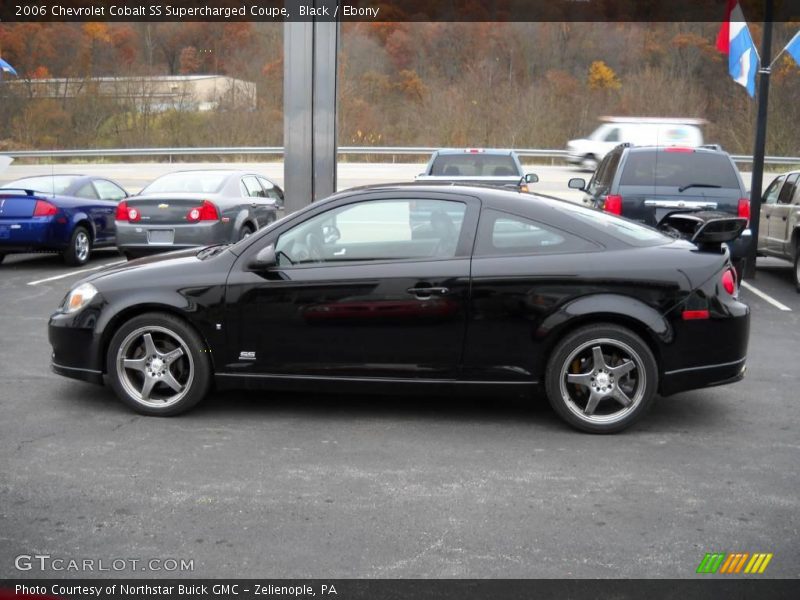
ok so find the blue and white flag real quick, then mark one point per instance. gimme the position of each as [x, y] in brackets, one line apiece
[7, 68]
[793, 47]
[739, 46]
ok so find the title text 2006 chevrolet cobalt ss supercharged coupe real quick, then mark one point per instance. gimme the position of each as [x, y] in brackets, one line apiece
[419, 287]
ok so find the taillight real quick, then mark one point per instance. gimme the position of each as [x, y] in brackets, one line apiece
[744, 209]
[44, 209]
[126, 213]
[613, 204]
[205, 212]
[729, 281]
[695, 315]
[678, 149]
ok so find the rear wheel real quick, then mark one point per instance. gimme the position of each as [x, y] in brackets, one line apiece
[797, 268]
[158, 365]
[79, 248]
[601, 378]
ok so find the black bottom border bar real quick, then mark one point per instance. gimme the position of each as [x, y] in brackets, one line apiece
[390, 589]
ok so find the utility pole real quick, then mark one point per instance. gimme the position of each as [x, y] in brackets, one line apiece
[761, 139]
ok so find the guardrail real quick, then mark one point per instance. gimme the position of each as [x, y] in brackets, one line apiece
[343, 150]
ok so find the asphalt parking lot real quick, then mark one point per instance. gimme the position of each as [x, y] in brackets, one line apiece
[281, 485]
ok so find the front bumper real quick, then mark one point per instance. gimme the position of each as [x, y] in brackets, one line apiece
[77, 351]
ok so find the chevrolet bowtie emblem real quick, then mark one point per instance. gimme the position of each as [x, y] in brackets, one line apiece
[163, 206]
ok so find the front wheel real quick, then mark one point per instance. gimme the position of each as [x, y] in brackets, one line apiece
[589, 163]
[158, 365]
[79, 248]
[601, 378]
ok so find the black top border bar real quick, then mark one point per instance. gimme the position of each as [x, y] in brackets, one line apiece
[389, 10]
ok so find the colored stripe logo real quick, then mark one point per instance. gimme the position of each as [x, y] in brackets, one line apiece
[734, 562]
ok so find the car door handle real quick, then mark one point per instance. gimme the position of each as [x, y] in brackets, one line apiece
[254, 204]
[427, 292]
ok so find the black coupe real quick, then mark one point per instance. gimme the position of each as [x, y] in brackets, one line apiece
[420, 287]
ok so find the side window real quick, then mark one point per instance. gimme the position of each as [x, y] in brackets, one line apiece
[252, 187]
[607, 176]
[787, 192]
[504, 234]
[269, 188]
[771, 195]
[87, 191]
[613, 135]
[596, 179]
[109, 191]
[375, 230]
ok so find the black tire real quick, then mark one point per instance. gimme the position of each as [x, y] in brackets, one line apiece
[594, 404]
[153, 364]
[246, 231]
[796, 271]
[79, 249]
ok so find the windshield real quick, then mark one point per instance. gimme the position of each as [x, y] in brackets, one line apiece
[624, 230]
[475, 165]
[207, 182]
[57, 184]
[678, 169]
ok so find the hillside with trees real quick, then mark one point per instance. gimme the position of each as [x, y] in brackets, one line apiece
[431, 84]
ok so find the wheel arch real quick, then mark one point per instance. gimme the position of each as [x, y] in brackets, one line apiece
[133, 311]
[633, 314]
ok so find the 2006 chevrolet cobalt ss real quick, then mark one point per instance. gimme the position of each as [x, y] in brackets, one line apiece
[419, 287]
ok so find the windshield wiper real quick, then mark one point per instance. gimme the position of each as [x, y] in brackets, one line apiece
[691, 185]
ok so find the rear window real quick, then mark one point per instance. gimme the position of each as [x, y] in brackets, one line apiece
[475, 165]
[57, 184]
[677, 169]
[629, 232]
[191, 182]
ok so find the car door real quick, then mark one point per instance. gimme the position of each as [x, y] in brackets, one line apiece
[781, 211]
[100, 212]
[361, 290]
[768, 201]
[259, 206]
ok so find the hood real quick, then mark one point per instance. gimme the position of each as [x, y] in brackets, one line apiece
[179, 260]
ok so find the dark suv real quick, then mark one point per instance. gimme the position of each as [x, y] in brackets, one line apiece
[647, 184]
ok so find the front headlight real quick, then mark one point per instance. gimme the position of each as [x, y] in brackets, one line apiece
[79, 297]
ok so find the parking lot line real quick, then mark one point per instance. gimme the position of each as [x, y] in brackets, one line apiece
[71, 273]
[766, 297]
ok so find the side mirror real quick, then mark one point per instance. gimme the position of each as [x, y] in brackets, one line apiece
[265, 259]
[531, 178]
[577, 183]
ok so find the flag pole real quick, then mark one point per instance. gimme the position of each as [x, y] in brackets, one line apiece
[761, 139]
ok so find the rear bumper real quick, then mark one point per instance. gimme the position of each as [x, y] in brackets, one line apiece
[709, 352]
[693, 378]
[137, 239]
[32, 234]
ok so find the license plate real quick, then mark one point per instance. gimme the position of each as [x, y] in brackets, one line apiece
[5, 232]
[160, 236]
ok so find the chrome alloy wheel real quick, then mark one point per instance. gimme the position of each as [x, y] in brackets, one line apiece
[82, 246]
[602, 381]
[155, 366]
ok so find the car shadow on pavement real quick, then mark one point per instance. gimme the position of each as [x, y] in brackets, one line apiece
[683, 413]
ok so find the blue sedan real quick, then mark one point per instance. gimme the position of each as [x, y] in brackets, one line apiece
[69, 214]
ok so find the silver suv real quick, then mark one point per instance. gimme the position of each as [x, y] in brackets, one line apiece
[779, 233]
